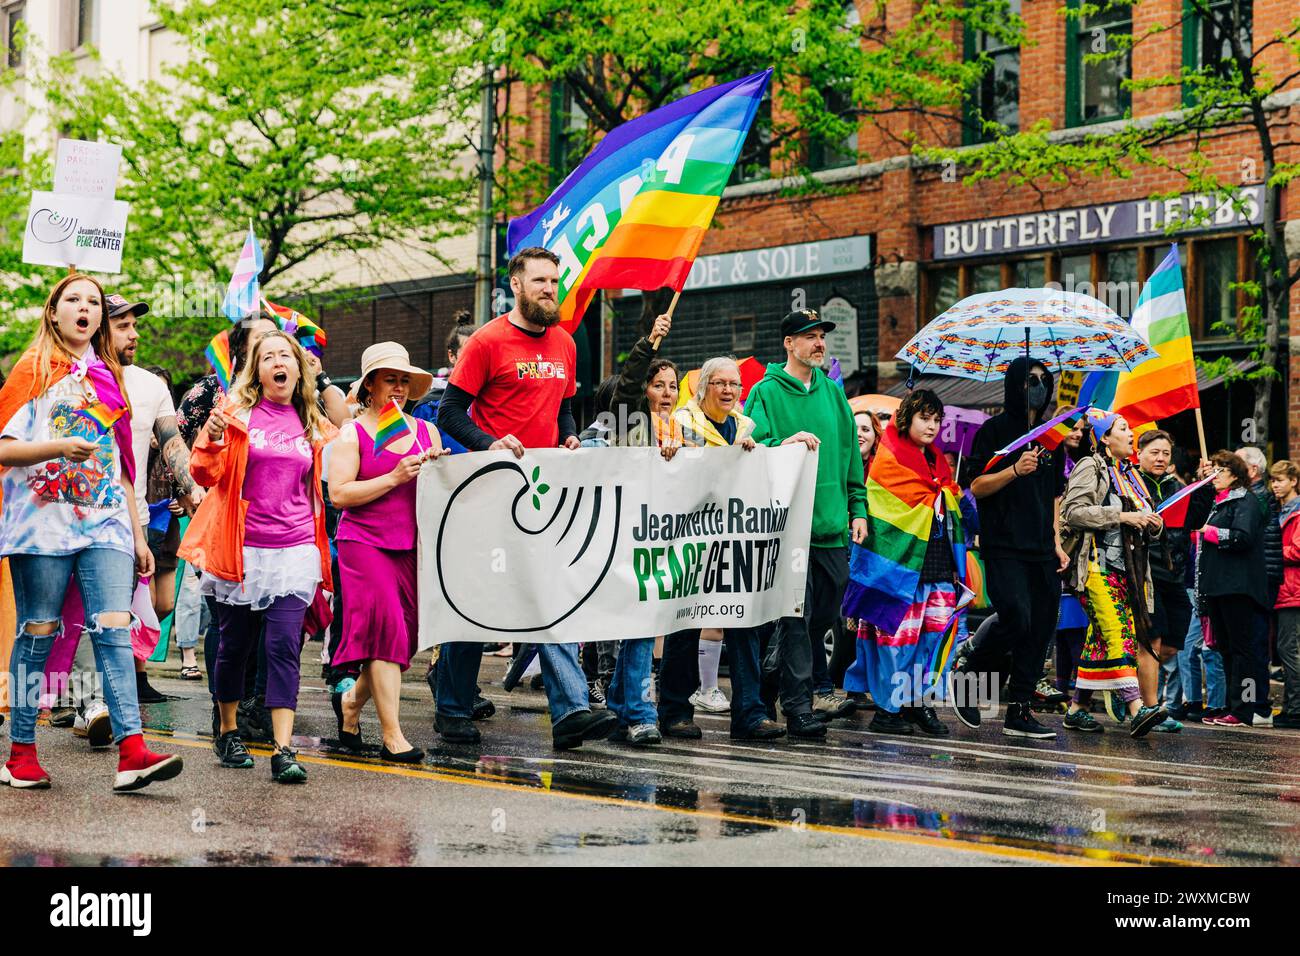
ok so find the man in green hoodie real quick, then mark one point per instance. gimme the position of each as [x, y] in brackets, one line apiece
[796, 402]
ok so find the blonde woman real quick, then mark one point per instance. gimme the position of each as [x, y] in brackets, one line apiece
[259, 536]
[69, 513]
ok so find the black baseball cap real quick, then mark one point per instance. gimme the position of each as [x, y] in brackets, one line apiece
[802, 320]
[119, 305]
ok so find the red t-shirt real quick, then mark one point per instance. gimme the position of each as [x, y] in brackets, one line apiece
[518, 380]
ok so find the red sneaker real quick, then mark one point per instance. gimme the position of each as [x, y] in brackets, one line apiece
[23, 771]
[138, 766]
[1227, 720]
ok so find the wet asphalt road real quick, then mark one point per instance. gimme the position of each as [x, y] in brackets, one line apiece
[1204, 796]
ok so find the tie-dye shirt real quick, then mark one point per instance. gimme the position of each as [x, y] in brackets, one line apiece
[62, 506]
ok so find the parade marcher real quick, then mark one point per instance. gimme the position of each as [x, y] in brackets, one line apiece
[1168, 556]
[1257, 465]
[69, 514]
[376, 546]
[1018, 518]
[1107, 524]
[262, 555]
[711, 418]
[797, 402]
[869, 430]
[519, 373]
[1071, 622]
[904, 578]
[1232, 587]
[1284, 479]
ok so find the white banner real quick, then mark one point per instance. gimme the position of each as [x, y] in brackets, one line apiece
[75, 231]
[85, 168]
[611, 543]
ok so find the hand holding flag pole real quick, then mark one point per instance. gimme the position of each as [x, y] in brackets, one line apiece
[654, 342]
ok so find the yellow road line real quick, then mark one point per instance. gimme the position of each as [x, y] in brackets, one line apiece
[1081, 856]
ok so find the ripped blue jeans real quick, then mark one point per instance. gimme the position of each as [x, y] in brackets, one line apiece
[107, 581]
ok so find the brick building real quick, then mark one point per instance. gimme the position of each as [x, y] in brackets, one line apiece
[897, 241]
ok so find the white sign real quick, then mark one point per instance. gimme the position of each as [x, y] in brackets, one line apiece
[778, 263]
[842, 341]
[611, 543]
[75, 231]
[83, 168]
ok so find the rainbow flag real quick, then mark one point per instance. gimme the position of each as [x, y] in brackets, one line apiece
[1165, 385]
[633, 214]
[309, 335]
[392, 426]
[218, 353]
[1049, 435]
[1174, 508]
[943, 650]
[903, 501]
[100, 415]
[242, 295]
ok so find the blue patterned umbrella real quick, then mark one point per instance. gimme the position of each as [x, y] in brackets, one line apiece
[1066, 331]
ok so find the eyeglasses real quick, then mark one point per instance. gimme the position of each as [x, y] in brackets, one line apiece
[717, 384]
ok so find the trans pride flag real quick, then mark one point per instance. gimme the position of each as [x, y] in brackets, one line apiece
[242, 293]
[633, 214]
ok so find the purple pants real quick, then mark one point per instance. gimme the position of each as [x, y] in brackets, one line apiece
[240, 626]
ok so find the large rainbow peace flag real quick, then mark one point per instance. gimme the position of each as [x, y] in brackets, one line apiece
[1162, 386]
[633, 214]
[903, 502]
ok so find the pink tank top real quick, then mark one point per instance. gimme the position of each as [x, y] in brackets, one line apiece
[388, 521]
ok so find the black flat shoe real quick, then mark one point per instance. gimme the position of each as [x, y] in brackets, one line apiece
[482, 709]
[805, 726]
[414, 755]
[456, 730]
[351, 741]
[583, 725]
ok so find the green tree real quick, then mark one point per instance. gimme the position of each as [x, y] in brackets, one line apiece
[332, 135]
[1232, 85]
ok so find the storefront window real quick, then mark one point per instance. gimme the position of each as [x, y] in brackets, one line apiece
[1120, 288]
[1075, 270]
[1095, 91]
[1027, 273]
[1217, 265]
[985, 279]
[945, 290]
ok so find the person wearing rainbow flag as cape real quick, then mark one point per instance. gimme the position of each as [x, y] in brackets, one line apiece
[907, 579]
[1107, 525]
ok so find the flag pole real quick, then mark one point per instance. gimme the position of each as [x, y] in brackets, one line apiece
[1200, 433]
[654, 342]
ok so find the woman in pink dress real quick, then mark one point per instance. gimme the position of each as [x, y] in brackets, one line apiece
[376, 545]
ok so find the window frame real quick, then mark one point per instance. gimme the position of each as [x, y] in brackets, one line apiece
[1192, 40]
[1074, 68]
[6, 12]
[972, 129]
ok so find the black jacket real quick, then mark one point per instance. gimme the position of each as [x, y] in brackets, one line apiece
[1272, 533]
[1234, 566]
[1169, 551]
[1016, 522]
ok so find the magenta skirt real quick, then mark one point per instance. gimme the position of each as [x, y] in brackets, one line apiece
[380, 611]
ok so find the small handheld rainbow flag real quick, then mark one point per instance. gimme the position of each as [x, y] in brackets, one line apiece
[218, 353]
[1174, 508]
[392, 426]
[1049, 435]
[309, 335]
[100, 415]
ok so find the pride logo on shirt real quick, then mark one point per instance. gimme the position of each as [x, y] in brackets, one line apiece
[539, 369]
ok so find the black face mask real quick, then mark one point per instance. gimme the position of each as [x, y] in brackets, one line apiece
[1037, 395]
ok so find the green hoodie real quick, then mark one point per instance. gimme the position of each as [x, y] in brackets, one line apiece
[780, 406]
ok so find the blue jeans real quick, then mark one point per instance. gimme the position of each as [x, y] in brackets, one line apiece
[1170, 691]
[1192, 658]
[107, 581]
[630, 696]
[747, 708]
[458, 664]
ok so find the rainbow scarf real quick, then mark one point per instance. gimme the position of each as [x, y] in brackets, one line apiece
[392, 426]
[904, 497]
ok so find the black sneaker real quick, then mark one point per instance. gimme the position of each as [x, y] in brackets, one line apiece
[1021, 722]
[1145, 719]
[253, 721]
[763, 730]
[63, 716]
[482, 709]
[886, 723]
[285, 767]
[569, 733]
[967, 710]
[805, 726]
[232, 752]
[596, 695]
[926, 721]
[1082, 720]
[456, 730]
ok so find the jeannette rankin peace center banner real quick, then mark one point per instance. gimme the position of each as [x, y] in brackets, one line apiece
[611, 543]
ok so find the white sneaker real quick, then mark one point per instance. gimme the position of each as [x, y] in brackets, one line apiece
[95, 726]
[713, 700]
[1258, 721]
